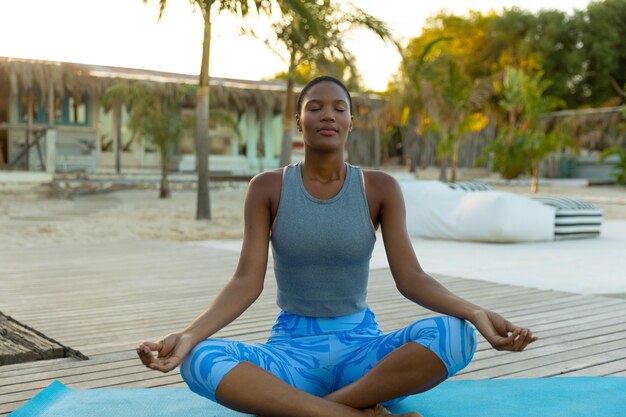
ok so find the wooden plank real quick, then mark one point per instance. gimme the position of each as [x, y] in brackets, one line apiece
[555, 341]
[491, 358]
[600, 357]
[608, 368]
[14, 374]
[544, 362]
[105, 298]
[19, 343]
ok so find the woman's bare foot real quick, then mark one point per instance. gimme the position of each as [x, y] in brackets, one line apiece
[378, 410]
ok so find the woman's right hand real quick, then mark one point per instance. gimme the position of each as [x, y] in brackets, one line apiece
[170, 352]
[501, 333]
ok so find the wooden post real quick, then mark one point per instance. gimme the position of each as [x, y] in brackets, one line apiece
[51, 134]
[117, 132]
[376, 114]
[29, 128]
[51, 104]
[260, 145]
[94, 120]
[51, 139]
[534, 184]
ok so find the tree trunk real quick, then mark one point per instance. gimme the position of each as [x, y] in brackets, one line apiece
[165, 191]
[377, 149]
[287, 141]
[454, 161]
[203, 211]
[453, 165]
[406, 147]
[260, 145]
[534, 184]
[443, 170]
[29, 128]
[117, 126]
[413, 140]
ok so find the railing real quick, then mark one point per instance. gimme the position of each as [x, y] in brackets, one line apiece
[38, 132]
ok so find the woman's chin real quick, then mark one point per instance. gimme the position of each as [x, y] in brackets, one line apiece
[327, 144]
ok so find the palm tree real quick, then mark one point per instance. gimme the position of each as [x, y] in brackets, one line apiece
[206, 7]
[415, 64]
[524, 98]
[315, 39]
[155, 114]
[454, 108]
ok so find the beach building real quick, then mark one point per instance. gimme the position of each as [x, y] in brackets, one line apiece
[52, 119]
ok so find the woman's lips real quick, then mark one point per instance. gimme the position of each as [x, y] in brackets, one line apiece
[327, 132]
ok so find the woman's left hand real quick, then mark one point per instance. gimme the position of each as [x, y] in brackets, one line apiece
[171, 351]
[501, 333]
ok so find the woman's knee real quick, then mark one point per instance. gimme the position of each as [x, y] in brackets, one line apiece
[460, 342]
[453, 340]
[205, 366]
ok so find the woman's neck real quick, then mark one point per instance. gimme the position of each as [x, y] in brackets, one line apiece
[324, 170]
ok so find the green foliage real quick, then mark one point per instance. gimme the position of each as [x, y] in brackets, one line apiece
[583, 53]
[619, 170]
[515, 151]
[526, 141]
[316, 46]
[556, 43]
[335, 67]
[464, 38]
[155, 110]
[524, 97]
[240, 8]
[508, 154]
[603, 29]
[448, 92]
[317, 43]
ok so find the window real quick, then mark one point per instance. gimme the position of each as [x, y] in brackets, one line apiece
[39, 111]
[75, 110]
[68, 110]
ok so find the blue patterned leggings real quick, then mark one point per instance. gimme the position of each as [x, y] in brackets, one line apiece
[319, 355]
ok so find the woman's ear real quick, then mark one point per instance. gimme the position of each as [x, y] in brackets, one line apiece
[298, 123]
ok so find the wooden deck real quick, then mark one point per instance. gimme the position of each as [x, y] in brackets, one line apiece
[103, 299]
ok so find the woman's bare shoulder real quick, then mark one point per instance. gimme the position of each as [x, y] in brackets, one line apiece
[266, 183]
[379, 180]
[268, 177]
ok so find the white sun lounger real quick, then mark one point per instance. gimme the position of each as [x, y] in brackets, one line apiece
[472, 211]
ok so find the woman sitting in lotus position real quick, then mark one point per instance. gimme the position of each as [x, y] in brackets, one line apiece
[326, 355]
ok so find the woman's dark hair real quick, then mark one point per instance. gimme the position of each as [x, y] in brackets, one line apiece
[315, 81]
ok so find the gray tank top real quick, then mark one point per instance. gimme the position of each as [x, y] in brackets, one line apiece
[322, 248]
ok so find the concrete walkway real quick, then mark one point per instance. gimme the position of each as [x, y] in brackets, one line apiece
[582, 266]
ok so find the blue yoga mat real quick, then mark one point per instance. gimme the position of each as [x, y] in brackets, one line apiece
[550, 397]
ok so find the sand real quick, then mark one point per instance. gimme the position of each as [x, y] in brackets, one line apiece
[120, 215]
[140, 214]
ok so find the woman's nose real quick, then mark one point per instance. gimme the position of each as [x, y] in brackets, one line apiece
[327, 115]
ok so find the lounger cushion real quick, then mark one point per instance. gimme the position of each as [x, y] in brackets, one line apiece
[575, 218]
[434, 210]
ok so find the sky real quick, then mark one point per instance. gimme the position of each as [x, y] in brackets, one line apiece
[127, 33]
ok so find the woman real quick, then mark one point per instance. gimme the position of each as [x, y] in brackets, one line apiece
[325, 355]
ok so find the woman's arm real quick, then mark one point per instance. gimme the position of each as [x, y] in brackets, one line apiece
[237, 295]
[247, 283]
[421, 288]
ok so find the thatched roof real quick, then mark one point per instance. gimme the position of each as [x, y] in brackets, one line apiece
[594, 128]
[73, 78]
[78, 79]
